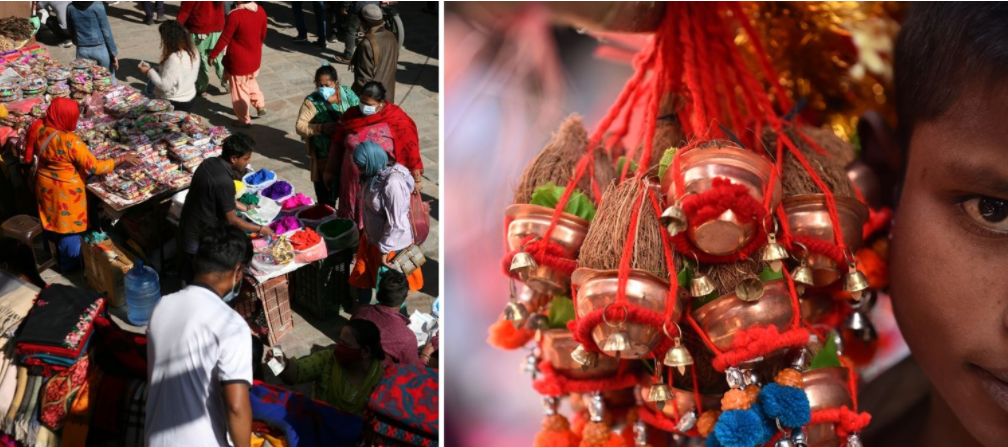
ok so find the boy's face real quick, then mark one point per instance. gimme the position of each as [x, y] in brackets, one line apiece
[949, 277]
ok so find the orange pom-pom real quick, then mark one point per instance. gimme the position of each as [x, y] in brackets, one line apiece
[597, 434]
[503, 335]
[735, 400]
[705, 424]
[752, 393]
[555, 433]
[874, 267]
[789, 377]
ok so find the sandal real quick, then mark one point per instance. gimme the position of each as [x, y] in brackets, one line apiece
[261, 112]
[237, 123]
[341, 60]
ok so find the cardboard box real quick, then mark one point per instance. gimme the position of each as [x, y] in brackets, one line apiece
[105, 272]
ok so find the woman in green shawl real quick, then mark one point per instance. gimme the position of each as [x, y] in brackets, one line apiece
[317, 121]
[346, 375]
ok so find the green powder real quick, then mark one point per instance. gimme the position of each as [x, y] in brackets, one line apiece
[249, 199]
[335, 227]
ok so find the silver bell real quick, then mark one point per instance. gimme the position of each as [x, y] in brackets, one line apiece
[686, 421]
[853, 440]
[800, 438]
[861, 325]
[785, 442]
[531, 365]
[735, 378]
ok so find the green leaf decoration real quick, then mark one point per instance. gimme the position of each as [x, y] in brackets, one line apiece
[827, 356]
[666, 160]
[579, 204]
[619, 165]
[769, 275]
[561, 310]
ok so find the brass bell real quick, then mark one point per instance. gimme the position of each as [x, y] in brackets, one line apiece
[749, 289]
[678, 357]
[537, 322]
[855, 282]
[516, 313]
[523, 264]
[673, 219]
[802, 277]
[616, 343]
[773, 252]
[659, 392]
[701, 285]
[586, 359]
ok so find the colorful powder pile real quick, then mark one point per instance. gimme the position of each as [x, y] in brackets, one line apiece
[249, 199]
[297, 201]
[335, 227]
[305, 239]
[285, 224]
[278, 190]
[316, 212]
[261, 176]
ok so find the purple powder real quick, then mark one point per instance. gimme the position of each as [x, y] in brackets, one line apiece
[285, 224]
[278, 190]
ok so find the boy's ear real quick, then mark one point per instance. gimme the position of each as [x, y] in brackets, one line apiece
[878, 172]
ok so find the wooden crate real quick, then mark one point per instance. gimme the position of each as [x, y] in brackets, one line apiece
[322, 287]
[270, 301]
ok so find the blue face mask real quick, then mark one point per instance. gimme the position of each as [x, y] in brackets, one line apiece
[326, 92]
[234, 289]
[367, 110]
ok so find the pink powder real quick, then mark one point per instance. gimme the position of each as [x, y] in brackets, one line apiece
[297, 201]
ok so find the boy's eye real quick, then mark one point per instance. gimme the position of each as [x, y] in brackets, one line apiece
[987, 211]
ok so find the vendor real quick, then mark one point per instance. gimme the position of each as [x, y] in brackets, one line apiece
[346, 375]
[398, 341]
[211, 199]
[64, 162]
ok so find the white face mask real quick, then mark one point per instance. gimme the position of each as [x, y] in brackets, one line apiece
[234, 288]
[367, 110]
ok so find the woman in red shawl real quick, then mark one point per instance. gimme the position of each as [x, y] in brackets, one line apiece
[378, 121]
[64, 162]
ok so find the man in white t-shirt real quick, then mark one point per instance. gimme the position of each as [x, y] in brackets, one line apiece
[199, 353]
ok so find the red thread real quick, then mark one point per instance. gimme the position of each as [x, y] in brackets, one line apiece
[582, 327]
[758, 341]
[546, 253]
[551, 383]
[844, 419]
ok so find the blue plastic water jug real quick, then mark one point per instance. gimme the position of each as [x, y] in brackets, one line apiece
[143, 291]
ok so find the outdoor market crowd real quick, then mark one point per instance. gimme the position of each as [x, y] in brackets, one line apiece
[365, 164]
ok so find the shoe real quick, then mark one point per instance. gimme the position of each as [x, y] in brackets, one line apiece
[159, 19]
[237, 123]
[148, 21]
[341, 60]
[66, 44]
[300, 39]
[332, 39]
[225, 87]
[260, 112]
[322, 44]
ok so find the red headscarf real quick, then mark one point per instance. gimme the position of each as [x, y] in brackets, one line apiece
[404, 133]
[62, 115]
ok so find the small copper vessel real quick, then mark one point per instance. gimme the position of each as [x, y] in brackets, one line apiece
[826, 389]
[816, 306]
[684, 399]
[522, 221]
[724, 317]
[699, 167]
[557, 345]
[808, 216]
[597, 289]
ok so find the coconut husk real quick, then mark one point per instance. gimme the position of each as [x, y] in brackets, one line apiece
[557, 161]
[668, 131]
[727, 276]
[605, 170]
[841, 151]
[603, 245]
[797, 181]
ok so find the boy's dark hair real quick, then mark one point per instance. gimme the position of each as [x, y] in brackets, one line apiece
[942, 47]
[220, 248]
[237, 145]
[368, 336]
[327, 70]
[374, 89]
[392, 289]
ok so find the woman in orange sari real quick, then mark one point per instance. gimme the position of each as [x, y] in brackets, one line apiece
[64, 162]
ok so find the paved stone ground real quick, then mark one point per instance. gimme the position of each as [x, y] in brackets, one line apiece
[286, 77]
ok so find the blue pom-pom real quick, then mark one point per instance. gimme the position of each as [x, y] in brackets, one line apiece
[712, 440]
[769, 425]
[787, 403]
[740, 428]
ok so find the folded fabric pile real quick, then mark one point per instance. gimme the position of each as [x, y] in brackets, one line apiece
[58, 329]
[403, 409]
[303, 421]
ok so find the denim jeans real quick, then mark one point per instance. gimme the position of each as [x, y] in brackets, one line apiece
[68, 250]
[299, 22]
[99, 54]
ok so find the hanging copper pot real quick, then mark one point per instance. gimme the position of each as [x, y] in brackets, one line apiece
[523, 221]
[684, 400]
[725, 316]
[826, 389]
[557, 345]
[808, 216]
[816, 306]
[699, 167]
[597, 289]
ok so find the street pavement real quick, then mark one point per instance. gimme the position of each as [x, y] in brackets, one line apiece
[286, 77]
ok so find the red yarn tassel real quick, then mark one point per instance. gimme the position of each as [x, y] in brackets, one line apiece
[556, 432]
[503, 335]
[597, 434]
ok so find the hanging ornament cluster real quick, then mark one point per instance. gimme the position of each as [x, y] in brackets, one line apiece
[685, 294]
